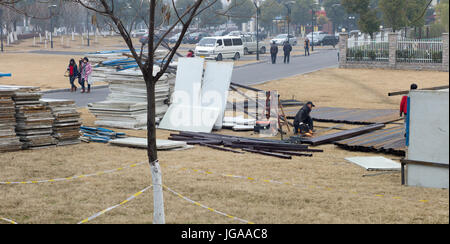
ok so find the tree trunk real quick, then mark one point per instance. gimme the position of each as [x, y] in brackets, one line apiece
[158, 200]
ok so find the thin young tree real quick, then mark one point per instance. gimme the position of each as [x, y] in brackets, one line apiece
[108, 8]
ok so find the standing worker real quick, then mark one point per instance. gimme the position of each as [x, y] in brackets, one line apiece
[303, 122]
[404, 107]
[72, 69]
[190, 54]
[404, 102]
[273, 52]
[287, 48]
[306, 45]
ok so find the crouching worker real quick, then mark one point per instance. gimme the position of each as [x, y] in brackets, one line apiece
[303, 123]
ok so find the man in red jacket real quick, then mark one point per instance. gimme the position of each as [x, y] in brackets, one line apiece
[404, 102]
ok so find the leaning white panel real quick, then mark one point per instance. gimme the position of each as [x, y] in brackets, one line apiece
[189, 79]
[375, 163]
[180, 117]
[216, 83]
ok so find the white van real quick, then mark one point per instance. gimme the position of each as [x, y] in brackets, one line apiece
[220, 47]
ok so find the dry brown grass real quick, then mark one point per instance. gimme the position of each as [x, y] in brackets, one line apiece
[329, 195]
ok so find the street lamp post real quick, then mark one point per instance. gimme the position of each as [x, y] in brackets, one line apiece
[334, 11]
[87, 26]
[256, 3]
[51, 7]
[1, 30]
[312, 29]
[288, 14]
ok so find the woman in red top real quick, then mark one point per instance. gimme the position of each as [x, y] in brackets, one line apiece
[190, 54]
[73, 74]
[404, 102]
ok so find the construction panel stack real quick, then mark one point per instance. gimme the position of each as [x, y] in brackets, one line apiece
[126, 104]
[67, 121]
[34, 120]
[8, 139]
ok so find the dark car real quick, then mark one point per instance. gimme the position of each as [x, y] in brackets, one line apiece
[329, 40]
[194, 38]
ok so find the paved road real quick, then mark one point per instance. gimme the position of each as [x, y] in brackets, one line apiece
[247, 75]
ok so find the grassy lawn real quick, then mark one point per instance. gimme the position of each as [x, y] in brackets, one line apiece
[327, 189]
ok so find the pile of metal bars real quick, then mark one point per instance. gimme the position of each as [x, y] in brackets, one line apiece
[341, 135]
[390, 140]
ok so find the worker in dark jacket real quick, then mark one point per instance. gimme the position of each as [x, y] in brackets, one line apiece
[287, 48]
[273, 52]
[72, 70]
[303, 122]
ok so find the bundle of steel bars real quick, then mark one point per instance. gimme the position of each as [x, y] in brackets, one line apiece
[391, 140]
[274, 148]
[341, 135]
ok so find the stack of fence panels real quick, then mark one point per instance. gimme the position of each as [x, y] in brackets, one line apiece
[34, 120]
[8, 139]
[126, 104]
[67, 121]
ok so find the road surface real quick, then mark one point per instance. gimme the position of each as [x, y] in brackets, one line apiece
[247, 75]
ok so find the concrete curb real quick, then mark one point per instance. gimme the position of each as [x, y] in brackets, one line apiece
[68, 89]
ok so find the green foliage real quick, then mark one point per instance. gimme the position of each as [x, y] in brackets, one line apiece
[414, 10]
[437, 57]
[443, 14]
[394, 13]
[369, 22]
[335, 12]
[356, 6]
[210, 16]
[372, 55]
[301, 12]
[241, 11]
[269, 10]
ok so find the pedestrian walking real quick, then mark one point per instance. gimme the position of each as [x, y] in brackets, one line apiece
[287, 48]
[306, 45]
[86, 71]
[72, 71]
[273, 52]
[80, 79]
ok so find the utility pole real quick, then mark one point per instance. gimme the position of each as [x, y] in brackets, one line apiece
[1, 30]
[288, 16]
[51, 7]
[87, 26]
[312, 29]
[256, 3]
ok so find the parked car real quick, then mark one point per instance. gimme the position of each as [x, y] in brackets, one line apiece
[282, 38]
[329, 40]
[220, 47]
[144, 38]
[250, 44]
[235, 33]
[316, 37]
[139, 33]
[195, 37]
[220, 33]
[174, 38]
